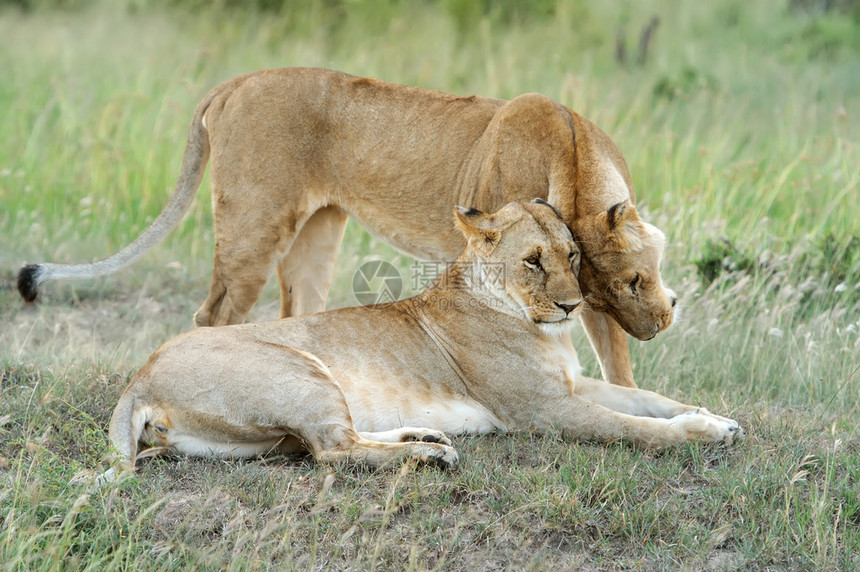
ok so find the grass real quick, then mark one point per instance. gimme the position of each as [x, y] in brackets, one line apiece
[742, 137]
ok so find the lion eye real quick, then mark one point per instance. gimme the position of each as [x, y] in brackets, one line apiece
[634, 284]
[533, 261]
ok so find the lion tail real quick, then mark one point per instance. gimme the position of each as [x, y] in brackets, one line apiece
[194, 163]
[126, 426]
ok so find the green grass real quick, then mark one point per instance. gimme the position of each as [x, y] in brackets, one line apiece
[742, 134]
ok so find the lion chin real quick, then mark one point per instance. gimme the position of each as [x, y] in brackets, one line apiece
[558, 327]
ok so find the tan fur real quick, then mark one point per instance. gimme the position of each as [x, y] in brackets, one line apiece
[471, 354]
[294, 151]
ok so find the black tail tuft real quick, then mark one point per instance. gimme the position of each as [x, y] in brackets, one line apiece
[28, 285]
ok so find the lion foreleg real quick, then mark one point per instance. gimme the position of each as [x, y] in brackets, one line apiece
[630, 400]
[583, 420]
[639, 402]
[610, 343]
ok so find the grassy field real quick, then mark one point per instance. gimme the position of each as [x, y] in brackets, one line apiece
[742, 131]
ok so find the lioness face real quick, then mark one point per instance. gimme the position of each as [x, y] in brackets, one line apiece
[621, 270]
[530, 254]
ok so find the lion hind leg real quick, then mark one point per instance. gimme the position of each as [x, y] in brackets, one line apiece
[305, 272]
[235, 289]
[244, 260]
[357, 449]
[329, 433]
[406, 434]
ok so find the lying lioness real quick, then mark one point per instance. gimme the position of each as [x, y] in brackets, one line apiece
[485, 348]
[294, 151]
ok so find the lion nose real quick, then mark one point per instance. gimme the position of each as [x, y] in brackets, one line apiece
[568, 308]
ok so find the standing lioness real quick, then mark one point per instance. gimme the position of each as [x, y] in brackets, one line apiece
[294, 151]
[485, 348]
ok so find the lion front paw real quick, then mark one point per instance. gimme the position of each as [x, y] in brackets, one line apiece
[707, 427]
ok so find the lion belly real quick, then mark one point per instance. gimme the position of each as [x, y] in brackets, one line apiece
[194, 445]
[384, 407]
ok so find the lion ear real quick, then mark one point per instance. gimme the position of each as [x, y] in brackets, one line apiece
[477, 226]
[621, 214]
[620, 221]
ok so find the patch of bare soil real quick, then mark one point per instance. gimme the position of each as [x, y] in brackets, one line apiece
[109, 321]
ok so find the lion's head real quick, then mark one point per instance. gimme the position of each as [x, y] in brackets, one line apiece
[620, 271]
[524, 255]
